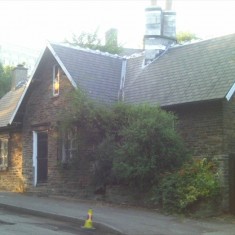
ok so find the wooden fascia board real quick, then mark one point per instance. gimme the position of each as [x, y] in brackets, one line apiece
[230, 92]
[62, 65]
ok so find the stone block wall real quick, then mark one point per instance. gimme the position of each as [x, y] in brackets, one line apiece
[43, 113]
[229, 146]
[209, 131]
[201, 126]
[11, 179]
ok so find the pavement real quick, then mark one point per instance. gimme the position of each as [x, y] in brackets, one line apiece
[116, 219]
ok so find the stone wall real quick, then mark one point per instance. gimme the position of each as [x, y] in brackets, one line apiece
[229, 145]
[11, 179]
[207, 129]
[201, 126]
[43, 113]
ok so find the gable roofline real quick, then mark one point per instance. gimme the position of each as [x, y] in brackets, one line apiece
[88, 50]
[230, 92]
[27, 85]
[18, 105]
[62, 65]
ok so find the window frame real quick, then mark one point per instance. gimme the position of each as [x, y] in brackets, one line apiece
[69, 145]
[4, 153]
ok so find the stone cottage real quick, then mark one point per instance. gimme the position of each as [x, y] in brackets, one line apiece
[196, 81]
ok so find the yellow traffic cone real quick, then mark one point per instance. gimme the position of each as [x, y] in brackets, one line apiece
[88, 223]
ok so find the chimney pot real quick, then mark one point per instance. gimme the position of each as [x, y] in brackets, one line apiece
[168, 5]
[153, 2]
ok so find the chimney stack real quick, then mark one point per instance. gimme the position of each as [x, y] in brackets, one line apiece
[19, 76]
[160, 31]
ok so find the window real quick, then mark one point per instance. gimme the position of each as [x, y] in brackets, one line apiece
[3, 153]
[69, 145]
[56, 80]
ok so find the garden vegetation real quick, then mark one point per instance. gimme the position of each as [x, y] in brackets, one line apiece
[138, 146]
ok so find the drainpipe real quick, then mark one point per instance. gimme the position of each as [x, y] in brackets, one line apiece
[122, 81]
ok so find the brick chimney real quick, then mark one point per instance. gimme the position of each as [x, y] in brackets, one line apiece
[19, 76]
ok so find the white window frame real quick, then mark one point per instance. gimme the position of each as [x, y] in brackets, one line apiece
[4, 153]
[69, 145]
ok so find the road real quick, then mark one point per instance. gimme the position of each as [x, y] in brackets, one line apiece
[12, 223]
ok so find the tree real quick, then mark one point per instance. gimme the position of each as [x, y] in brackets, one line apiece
[92, 41]
[5, 79]
[183, 37]
[149, 146]
[131, 145]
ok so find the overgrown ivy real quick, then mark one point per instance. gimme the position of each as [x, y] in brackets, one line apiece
[195, 182]
[138, 146]
[134, 144]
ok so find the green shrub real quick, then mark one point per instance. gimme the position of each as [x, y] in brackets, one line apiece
[195, 182]
[148, 146]
[130, 144]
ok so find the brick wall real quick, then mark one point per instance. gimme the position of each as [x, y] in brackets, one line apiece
[12, 179]
[43, 113]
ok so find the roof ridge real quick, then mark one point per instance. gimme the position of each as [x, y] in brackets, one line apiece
[202, 41]
[97, 52]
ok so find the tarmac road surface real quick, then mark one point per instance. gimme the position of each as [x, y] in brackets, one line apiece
[115, 219]
[14, 223]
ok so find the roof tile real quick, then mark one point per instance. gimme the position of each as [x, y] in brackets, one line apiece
[194, 72]
[8, 104]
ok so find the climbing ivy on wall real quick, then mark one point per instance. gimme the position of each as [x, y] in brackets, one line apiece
[132, 144]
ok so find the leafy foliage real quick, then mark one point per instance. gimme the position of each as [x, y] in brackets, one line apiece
[92, 41]
[194, 182]
[183, 37]
[5, 79]
[148, 146]
[131, 145]
[137, 146]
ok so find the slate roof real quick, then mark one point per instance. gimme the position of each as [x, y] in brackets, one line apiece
[97, 73]
[9, 104]
[195, 72]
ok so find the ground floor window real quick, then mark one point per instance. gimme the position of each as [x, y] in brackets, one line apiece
[3, 153]
[69, 145]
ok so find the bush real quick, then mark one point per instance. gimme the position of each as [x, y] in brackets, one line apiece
[195, 182]
[129, 144]
[148, 146]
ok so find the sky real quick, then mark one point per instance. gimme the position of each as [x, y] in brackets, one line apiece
[31, 23]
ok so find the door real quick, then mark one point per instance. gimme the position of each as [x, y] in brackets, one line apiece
[232, 183]
[42, 157]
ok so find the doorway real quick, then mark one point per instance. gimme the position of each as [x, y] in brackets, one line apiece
[232, 183]
[40, 157]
